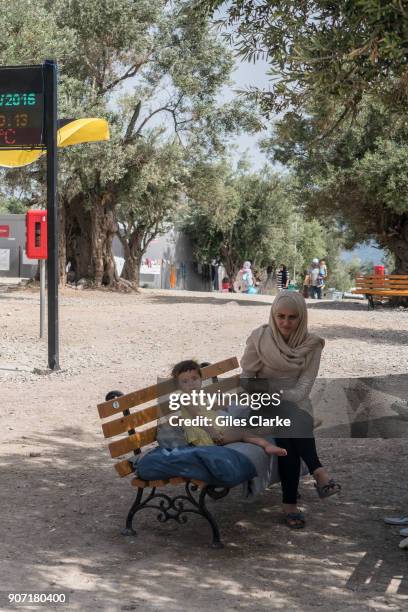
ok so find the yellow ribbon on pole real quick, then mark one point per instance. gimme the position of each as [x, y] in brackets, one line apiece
[73, 132]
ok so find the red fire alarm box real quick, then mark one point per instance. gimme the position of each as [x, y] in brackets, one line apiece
[36, 237]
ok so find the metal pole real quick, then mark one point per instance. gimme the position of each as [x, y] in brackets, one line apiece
[42, 296]
[50, 86]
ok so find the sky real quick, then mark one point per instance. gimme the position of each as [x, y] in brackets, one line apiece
[244, 76]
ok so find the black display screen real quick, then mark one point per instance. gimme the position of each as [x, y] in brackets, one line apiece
[21, 107]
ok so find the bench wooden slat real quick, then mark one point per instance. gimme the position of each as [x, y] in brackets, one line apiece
[384, 276]
[221, 367]
[386, 285]
[124, 468]
[366, 288]
[148, 394]
[118, 426]
[383, 292]
[130, 443]
[177, 480]
[136, 398]
[383, 284]
[136, 419]
[158, 483]
[382, 288]
[142, 484]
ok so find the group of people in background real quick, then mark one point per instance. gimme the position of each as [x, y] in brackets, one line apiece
[248, 281]
[315, 278]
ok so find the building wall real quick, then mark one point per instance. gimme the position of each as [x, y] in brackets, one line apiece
[168, 261]
[172, 255]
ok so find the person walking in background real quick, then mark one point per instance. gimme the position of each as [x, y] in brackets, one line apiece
[282, 277]
[244, 281]
[315, 289]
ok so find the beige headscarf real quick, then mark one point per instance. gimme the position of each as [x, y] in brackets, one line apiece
[273, 350]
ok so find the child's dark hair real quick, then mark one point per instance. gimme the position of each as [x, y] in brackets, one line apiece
[185, 366]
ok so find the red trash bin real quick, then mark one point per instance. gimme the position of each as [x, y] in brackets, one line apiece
[379, 270]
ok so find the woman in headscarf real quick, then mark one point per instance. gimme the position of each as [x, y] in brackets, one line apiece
[244, 280]
[285, 353]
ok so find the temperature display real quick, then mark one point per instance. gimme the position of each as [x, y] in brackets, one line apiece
[21, 107]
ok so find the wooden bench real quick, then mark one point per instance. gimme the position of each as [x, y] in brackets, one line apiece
[140, 430]
[383, 286]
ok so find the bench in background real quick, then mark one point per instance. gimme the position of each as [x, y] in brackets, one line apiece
[383, 286]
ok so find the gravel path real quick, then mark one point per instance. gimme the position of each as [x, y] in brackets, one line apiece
[63, 506]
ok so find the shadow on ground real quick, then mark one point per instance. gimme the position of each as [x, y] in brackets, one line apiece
[366, 334]
[61, 524]
[337, 305]
[217, 301]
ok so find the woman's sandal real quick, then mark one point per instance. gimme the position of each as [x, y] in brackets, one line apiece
[329, 489]
[295, 520]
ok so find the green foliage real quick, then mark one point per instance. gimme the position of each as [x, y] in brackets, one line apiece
[339, 81]
[331, 51]
[155, 74]
[148, 199]
[312, 241]
[236, 215]
[357, 177]
[340, 278]
[13, 206]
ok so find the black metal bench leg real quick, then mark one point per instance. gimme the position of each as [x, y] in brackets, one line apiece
[371, 304]
[128, 530]
[216, 539]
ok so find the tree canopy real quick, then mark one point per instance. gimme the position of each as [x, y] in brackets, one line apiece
[237, 215]
[330, 52]
[156, 76]
[356, 179]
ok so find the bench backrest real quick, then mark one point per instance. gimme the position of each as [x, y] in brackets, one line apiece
[140, 427]
[382, 281]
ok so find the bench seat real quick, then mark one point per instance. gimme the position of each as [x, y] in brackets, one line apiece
[385, 286]
[137, 482]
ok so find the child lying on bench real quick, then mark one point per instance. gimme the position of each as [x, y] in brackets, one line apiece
[188, 375]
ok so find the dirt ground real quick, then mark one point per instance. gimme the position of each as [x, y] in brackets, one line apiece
[62, 504]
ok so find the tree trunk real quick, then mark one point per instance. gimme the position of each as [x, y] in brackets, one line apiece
[229, 263]
[398, 246]
[133, 253]
[90, 228]
[62, 246]
[400, 253]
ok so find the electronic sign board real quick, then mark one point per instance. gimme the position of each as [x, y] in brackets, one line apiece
[21, 107]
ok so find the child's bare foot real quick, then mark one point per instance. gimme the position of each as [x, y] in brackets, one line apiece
[271, 449]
